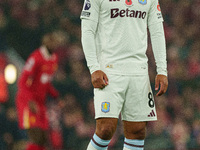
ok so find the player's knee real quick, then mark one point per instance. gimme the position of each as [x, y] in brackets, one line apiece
[42, 140]
[136, 134]
[135, 130]
[37, 136]
[106, 127]
[140, 134]
[39, 141]
[105, 132]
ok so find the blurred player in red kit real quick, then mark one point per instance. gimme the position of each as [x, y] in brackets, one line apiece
[33, 87]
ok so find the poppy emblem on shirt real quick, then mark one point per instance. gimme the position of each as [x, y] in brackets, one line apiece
[143, 2]
[44, 67]
[158, 7]
[87, 5]
[105, 107]
[128, 2]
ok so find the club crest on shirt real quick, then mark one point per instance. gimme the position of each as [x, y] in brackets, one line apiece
[87, 5]
[143, 2]
[32, 119]
[105, 107]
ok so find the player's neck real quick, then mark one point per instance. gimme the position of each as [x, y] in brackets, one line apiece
[50, 51]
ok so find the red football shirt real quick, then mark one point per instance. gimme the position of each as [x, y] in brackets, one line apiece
[35, 80]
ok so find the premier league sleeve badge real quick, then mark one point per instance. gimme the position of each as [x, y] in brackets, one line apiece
[87, 5]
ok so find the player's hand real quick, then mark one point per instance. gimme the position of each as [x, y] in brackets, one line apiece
[33, 107]
[162, 82]
[61, 104]
[99, 79]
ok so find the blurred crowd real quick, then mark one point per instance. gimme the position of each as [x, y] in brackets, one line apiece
[23, 22]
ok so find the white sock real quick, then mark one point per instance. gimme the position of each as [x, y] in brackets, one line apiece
[125, 148]
[90, 147]
[130, 144]
[97, 143]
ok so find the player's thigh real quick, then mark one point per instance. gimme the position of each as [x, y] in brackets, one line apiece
[34, 120]
[139, 105]
[22, 111]
[37, 135]
[134, 130]
[44, 123]
[106, 127]
[108, 101]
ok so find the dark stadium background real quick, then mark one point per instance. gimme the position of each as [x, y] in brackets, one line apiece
[23, 22]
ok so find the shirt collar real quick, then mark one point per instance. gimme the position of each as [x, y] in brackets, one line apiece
[45, 53]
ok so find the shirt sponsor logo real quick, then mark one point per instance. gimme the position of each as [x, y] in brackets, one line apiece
[45, 78]
[85, 14]
[127, 13]
[87, 5]
[105, 107]
[143, 2]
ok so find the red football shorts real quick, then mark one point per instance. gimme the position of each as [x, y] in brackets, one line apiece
[28, 119]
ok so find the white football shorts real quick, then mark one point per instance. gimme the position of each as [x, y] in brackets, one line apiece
[129, 95]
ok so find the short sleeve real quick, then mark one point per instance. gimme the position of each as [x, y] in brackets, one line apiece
[32, 64]
[91, 10]
[155, 14]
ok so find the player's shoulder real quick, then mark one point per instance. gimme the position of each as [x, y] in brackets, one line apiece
[153, 1]
[90, 3]
[35, 56]
[36, 53]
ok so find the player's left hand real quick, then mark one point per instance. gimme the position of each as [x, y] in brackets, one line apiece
[61, 104]
[162, 82]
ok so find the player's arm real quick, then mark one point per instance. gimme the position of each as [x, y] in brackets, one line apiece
[155, 25]
[159, 50]
[28, 74]
[52, 91]
[88, 29]
[99, 78]
[89, 17]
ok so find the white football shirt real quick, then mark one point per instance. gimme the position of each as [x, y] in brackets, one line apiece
[121, 34]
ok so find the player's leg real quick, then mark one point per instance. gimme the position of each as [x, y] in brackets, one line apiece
[108, 103]
[28, 122]
[38, 139]
[37, 129]
[105, 128]
[138, 109]
[134, 133]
